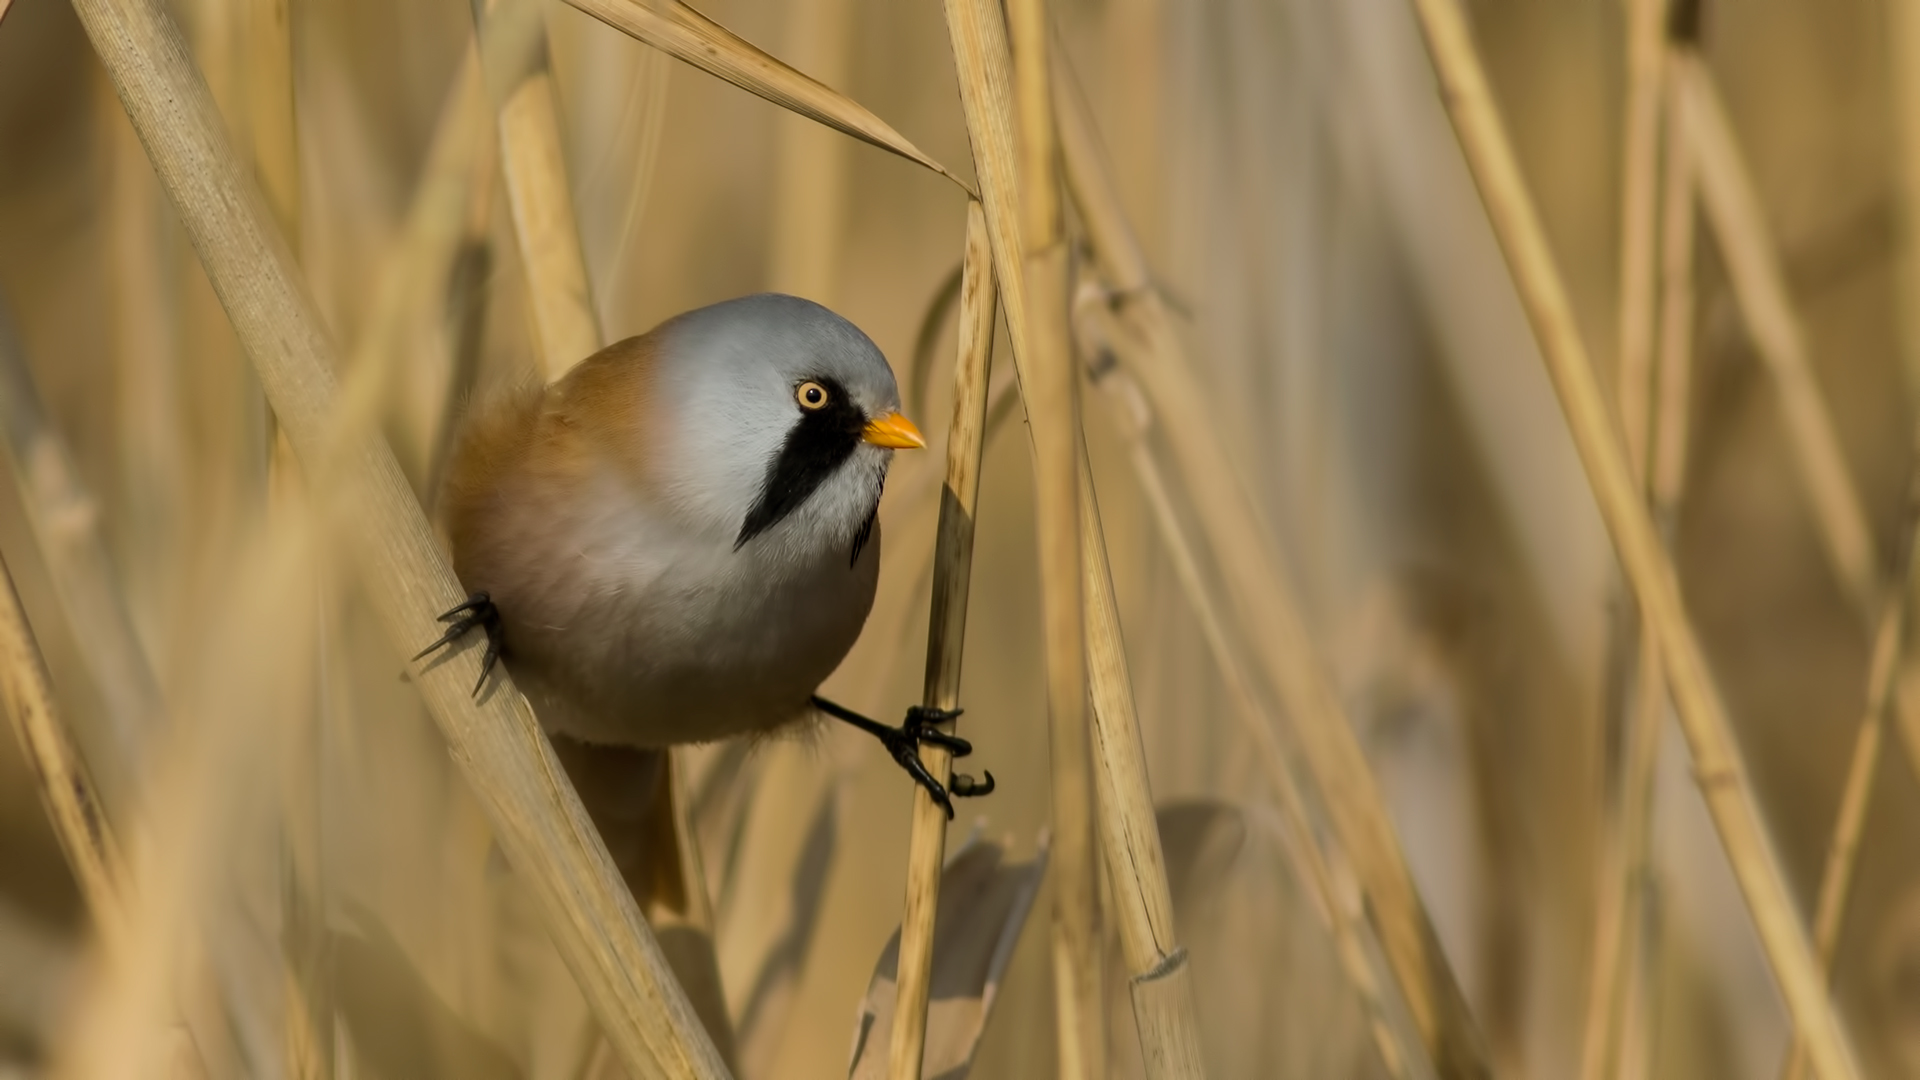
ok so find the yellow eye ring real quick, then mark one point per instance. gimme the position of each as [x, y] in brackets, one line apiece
[812, 396]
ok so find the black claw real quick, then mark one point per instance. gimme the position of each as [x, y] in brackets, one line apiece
[904, 743]
[966, 787]
[478, 612]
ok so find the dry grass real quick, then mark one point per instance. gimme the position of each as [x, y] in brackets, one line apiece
[1326, 739]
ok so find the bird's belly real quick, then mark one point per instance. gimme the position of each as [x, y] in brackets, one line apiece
[700, 649]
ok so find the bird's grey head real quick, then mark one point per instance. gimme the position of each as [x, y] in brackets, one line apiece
[798, 415]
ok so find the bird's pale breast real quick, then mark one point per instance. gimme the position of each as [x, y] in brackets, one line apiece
[626, 627]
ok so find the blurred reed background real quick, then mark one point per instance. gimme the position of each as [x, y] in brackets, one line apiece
[317, 890]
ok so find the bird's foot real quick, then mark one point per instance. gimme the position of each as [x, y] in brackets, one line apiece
[477, 613]
[904, 743]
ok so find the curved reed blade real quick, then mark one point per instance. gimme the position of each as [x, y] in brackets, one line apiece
[987, 901]
[688, 35]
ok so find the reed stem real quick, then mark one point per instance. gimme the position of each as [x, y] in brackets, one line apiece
[1759, 281]
[536, 816]
[1353, 938]
[1158, 975]
[1672, 402]
[946, 634]
[64, 518]
[533, 160]
[1639, 264]
[66, 786]
[1270, 617]
[1843, 851]
[1903, 40]
[1051, 387]
[1717, 765]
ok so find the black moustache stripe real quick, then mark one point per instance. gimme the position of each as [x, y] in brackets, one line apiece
[819, 443]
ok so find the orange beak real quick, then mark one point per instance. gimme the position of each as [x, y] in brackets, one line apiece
[893, 431]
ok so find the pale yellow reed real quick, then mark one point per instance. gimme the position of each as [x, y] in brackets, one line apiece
[1717, 765]
[537, 818]
[946, 634]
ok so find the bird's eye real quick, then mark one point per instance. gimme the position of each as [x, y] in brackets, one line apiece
[811, 396]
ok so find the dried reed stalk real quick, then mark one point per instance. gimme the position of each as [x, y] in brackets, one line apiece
[1158, 975]
[1640, 194]
[984, 66]
[1760, 286]
[64, 518]
[271, 131]
[1353, 939]
[537, 818]
[1843, 851]
[1028, 241]
[1903, 40]
[272, 136]
[1759, 281]
[946, 634]
[1270, 617]
[566, 330]
[426, 257]
[1717, 764]
[1050, 386]
[686, 34]
[66, 786]
[1620, 958]
[673, 894]
[1639, 260]
[811, 163]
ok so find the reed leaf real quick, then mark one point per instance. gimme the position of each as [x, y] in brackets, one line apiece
[684, 33]
[987, 900]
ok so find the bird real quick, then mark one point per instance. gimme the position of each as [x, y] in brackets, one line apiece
[679, 540]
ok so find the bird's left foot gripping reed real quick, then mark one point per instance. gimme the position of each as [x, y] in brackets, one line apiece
[477, 612]
[904, 744]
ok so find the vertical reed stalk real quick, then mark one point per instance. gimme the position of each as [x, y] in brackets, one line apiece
[1843, 851]
[1717, 764]
[1270, 617]
[1051, 386]
[1639, 222]
[1133, 417]
[1158, 975]
[1903, 65]
[66, 787]
[1639, 259]
[1028, 243]
[810, 194]
[946, 634]
[539, 821]
[265, 28]
[565, 328]
[1672, 400]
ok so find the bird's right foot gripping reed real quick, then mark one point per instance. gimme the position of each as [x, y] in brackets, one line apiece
[904, 744]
